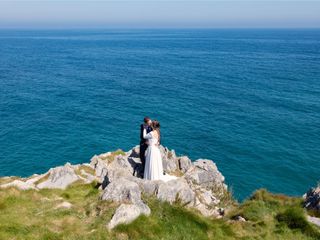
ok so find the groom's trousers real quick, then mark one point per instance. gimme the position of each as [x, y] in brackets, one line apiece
[143, 148]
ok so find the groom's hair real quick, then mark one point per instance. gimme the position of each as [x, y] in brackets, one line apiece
[146, 119]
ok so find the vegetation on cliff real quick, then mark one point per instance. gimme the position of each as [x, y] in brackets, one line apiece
[40, 214]
[96, 200]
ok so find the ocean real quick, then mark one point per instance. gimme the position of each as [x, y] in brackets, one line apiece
[247, 99]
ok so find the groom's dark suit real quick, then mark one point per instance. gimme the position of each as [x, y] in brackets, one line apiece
[143, 145]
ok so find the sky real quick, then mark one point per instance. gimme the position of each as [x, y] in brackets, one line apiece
[159, 14]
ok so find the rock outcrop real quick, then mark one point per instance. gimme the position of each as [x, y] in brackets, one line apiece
[122, 190]
[197, 185]
[312, 199]
[126, 213]
[58, 177]
[23, 184]
[176, 190]
[312, 203]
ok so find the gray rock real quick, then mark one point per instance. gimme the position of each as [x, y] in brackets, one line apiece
[136, 166]
[22, 185]
[88, 178]
[184, 163]
[207, 211]
[205, 173]
[59, 177]
[65, 205]
[312, 199]
[119, 177]
[127, 213]
[176, 190]
[134, 152]
[100, 168]
[121, 191]
[314, 220]
[147, 187]
[120, 167]
[239, 218]
[207, 198]
[169, 159]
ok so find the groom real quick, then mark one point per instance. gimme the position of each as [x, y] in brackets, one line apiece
[143, 142]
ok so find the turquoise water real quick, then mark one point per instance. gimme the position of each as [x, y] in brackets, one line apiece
[248, 99]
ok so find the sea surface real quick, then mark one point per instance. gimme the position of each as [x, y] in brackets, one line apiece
[247, 99]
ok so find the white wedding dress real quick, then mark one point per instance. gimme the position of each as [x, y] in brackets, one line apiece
[153, 168]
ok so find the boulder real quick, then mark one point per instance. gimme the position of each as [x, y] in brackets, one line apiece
[127, 213]
[100, 168]
[59, 177]
[122, 190]
[207, 198]
[134, 152]
[312, 199]
[169, 159]
[174, 190]
[147, 187]
[120, 167]
[206, 211]
[184, 164]
[205, 173]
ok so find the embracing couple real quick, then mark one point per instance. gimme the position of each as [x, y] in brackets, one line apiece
[150, 152]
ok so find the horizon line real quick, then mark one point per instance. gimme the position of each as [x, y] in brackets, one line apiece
[159, 28]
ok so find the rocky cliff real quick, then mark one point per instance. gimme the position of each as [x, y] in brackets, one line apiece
[106, 198]
[199, 184]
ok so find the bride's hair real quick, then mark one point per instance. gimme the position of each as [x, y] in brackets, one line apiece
[156, 127]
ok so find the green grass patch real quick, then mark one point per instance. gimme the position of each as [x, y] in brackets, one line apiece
[295, 219]
[174, 222]
[33, 215]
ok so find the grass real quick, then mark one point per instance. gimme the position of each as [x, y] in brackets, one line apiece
[295, 219]
[272, 216]
[32, 215]
[174, 222]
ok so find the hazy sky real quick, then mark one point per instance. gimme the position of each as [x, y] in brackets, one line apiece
[159, 13]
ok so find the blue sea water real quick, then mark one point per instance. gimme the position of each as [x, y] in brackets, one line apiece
[248, 99]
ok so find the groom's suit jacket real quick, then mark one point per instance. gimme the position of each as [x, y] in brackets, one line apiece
[142, 140]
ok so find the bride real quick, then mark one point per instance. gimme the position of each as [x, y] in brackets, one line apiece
[154, 169]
